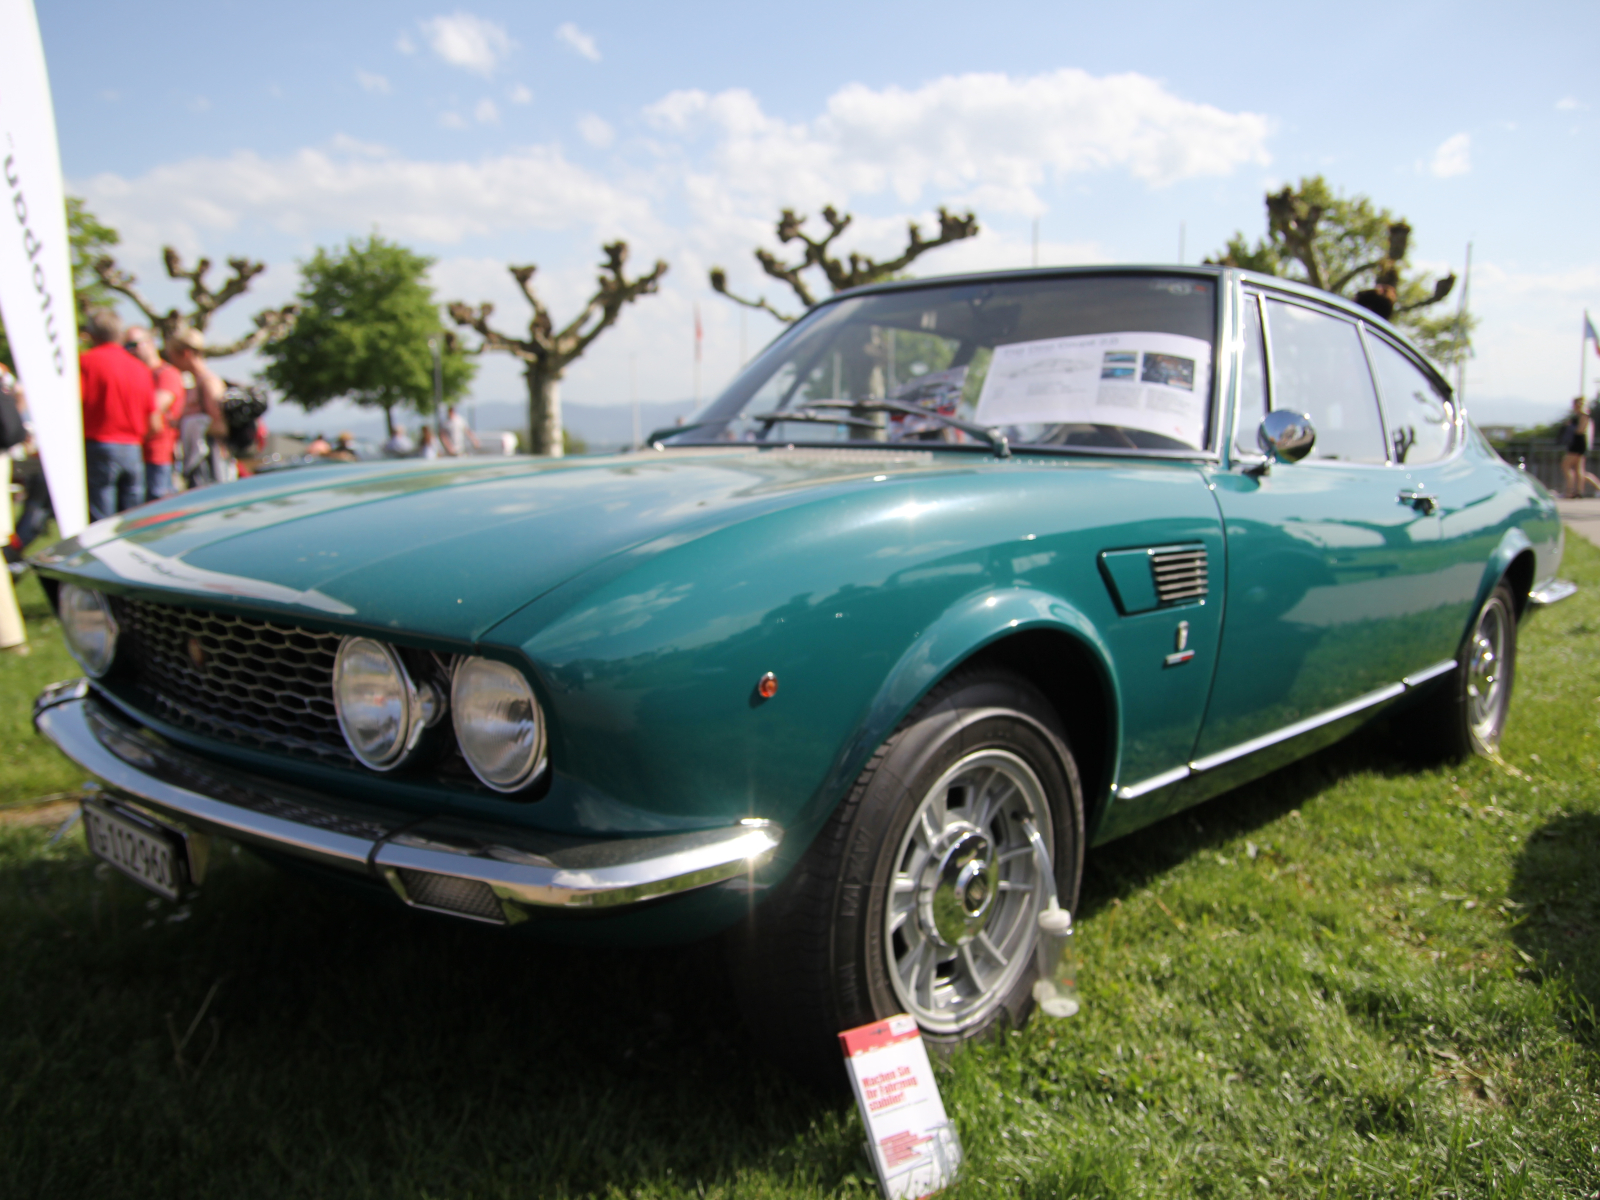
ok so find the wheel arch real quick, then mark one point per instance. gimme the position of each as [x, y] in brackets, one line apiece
[1043, 638]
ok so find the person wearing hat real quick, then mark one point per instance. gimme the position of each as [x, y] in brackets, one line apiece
[119, 412]
[202, 406]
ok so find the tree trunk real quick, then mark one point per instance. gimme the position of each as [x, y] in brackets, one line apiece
[544, 412]
[388, 418]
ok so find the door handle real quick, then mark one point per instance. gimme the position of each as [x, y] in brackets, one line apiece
[1423, 502]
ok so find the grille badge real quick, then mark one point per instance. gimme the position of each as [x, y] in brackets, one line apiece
[197, 653]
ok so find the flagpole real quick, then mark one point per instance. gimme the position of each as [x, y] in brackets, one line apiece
[1461, 318]
[1583, 360]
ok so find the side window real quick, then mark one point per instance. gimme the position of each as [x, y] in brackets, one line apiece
[1318, 368]
[1421, 422]
[1252, 379]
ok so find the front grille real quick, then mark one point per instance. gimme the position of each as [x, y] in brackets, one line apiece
[1180, 573]
[236, 679]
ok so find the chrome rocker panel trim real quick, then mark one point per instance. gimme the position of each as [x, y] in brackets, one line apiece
[541, 873]
[1255, 746]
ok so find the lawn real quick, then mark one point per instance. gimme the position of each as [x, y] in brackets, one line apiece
[1359, 977]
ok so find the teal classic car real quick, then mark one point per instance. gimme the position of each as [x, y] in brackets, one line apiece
[959, 579]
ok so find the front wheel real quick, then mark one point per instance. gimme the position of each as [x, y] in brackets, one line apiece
[922, 893]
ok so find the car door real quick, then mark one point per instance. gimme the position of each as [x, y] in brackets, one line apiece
[1327, 563]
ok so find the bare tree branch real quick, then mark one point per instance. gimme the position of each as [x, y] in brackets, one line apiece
[842, 274]
[719, 283]
[270, 324]
[546, 352]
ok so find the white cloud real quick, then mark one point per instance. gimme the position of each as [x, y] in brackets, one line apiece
[350, 186]
[486, 112]
[1453, 157]
[404, 44]
[468, 42]
[989, 140]
[200, 104]
[376, 84]
[452, 120]
[596, 131]
[578, 41]
[520, 94]
[1570, 104]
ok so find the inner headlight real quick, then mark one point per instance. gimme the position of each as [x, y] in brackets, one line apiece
[90, 628]
[381, 712]
[498, 723]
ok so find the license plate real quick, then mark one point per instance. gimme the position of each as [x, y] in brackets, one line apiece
[142, 850]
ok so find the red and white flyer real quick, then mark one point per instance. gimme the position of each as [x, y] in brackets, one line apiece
[914, 1146]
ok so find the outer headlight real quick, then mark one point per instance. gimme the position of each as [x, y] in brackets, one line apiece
[90, 628]
[498, 723]
[381, 712]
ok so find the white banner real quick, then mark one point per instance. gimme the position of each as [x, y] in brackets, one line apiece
[36, 264]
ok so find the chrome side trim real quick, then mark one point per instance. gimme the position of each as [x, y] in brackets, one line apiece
[1427, 673]
[543, 873]
[1327, 717]
[1552, 591]
[1154, 784]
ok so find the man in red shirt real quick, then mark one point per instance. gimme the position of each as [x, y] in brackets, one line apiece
[119, 409]
[169, 403]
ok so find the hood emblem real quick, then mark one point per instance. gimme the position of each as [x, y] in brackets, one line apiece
[197, 653]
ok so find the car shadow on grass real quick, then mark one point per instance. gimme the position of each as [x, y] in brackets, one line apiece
[1556, 881]
[1129, 864]
[279, 1038]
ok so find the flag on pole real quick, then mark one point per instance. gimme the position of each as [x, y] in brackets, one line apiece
[1589, 333]
[700, 334]
[36, 266]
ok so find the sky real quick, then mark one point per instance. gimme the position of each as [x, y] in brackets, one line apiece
[495, 133]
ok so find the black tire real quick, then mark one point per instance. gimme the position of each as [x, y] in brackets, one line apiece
[1471, 706]
[850, 936]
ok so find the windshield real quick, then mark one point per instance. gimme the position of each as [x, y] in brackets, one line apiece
[1111, 361]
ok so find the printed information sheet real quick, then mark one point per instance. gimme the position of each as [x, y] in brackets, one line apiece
[914, 1146]
[1158, 382]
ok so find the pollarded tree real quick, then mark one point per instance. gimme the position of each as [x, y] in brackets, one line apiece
[270, 323]
[366, 317]
[1349, 246]
[855, 271]
[547, 352]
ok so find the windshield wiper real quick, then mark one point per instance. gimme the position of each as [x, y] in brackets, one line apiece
[996, 440]
[800, 414]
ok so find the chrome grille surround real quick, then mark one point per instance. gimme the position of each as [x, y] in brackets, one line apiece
[1179, 573]
[237, 679]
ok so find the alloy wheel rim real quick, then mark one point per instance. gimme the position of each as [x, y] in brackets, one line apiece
[1485, 673]
[965, 894]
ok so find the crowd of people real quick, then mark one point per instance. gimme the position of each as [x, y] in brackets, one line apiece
[153, 421]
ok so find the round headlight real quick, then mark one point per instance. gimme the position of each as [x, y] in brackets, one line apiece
[90, 628]
[498, 723]
[379, 709]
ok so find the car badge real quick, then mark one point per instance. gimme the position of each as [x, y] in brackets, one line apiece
[1181, 652]
[197, 654]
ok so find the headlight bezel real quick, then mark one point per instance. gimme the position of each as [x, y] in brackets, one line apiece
[528, 765]
[419, 705]
[97, 665]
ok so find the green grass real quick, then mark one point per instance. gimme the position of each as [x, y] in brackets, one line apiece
[1358, 977]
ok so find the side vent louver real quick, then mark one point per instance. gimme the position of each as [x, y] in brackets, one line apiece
[1179, 573]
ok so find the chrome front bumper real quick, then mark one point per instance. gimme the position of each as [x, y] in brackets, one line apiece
[467, 869]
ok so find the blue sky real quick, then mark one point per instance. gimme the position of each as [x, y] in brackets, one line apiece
[495, 133]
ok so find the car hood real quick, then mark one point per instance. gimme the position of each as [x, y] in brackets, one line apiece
[448, 549]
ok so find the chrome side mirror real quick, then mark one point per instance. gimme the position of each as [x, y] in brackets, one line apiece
[1285, 436]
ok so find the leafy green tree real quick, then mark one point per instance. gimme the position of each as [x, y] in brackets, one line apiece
[366, 317]
[87, 239]
[1349, 246]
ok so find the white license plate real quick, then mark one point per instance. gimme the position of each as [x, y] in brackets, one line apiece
[142, 850]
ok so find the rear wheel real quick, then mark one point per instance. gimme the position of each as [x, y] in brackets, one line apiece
[922, 893]
[1471, 709]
